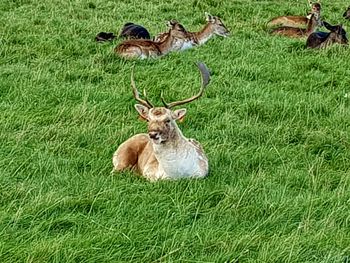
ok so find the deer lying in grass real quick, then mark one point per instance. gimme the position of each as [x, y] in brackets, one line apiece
[298, 32]
[296, 21]
[133, 31]
[323, 39]
[346, 14]
[214, 26]
[143, 48]
[163, 153]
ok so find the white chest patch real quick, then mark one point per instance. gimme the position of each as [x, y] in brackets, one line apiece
[180, 164]
[187, 45]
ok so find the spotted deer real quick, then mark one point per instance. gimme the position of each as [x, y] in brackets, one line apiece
[346, 14]
[163, 153]
[214, 26]
[144, 48]
[297, 21]
[322, 39]
[295, 32]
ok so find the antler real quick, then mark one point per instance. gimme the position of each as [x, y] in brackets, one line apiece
[136, 93]
[205, 81]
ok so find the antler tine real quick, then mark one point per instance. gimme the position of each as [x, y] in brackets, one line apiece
[136, 93]
[205, 81]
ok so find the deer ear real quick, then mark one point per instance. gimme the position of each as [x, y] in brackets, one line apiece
[171, 23]
[328, 26]
[209, 17]
[179, 114]
[142, 110]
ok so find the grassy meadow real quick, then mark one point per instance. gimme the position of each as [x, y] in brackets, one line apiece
[274, 122]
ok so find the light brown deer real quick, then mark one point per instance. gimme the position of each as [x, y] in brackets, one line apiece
[163, 153]
[298, 32]
[144, 48]
[214, 26]
[296, 21]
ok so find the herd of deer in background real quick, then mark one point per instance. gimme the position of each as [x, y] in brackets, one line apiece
[138, 43]
[164, 152]
[301, 26]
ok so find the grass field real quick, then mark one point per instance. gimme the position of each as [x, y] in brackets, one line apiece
[274, 122]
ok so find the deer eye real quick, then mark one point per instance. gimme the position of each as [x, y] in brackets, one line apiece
[167, 121]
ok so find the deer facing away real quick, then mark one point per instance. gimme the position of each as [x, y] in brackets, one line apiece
[133, 31]
[144, 48]
[295, 32]
[322, 39]
[296, 21]
[214, 26]
[163, 153]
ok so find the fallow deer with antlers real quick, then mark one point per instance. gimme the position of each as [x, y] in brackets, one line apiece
[322, 39]
[163, 153]
[295, 32]
[296, 21]
[214, 26]
[144, 48]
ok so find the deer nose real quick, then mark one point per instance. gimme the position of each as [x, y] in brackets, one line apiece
[153, 135]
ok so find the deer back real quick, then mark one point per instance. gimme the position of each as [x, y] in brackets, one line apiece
[133, 31]
[290, 21]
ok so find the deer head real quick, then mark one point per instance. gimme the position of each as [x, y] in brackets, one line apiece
[311, 3]
[176, 30]
[162, 127]
[217, 25]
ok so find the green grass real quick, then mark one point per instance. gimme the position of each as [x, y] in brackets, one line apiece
[274, 122]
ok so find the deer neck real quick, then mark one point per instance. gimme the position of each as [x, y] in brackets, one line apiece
[173, 145]
[166, 44]
[177, 158]
[312, 24]
[205, 34]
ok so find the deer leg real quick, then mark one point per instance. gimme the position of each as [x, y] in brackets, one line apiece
[127, 154]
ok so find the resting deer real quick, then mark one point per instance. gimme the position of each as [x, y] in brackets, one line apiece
[323, 39]
[144, 48]
[298, 32]
[214, 26]
[346, 14]
[296, 21]
[163, 153]
[133, 31]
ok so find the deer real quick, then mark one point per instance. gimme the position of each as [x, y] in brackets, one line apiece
[346, 14]
[133, 31]
[214, 26]
[296, 21]
[145, 48]
[295, 32]
[163, 153]
[322, 39]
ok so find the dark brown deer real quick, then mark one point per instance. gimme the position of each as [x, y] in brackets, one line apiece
[143, 48]
[163, 153]
[295, 32]
[322, 39]
[214, 26]
[295, 21]
[346, 14]
[133, 31]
